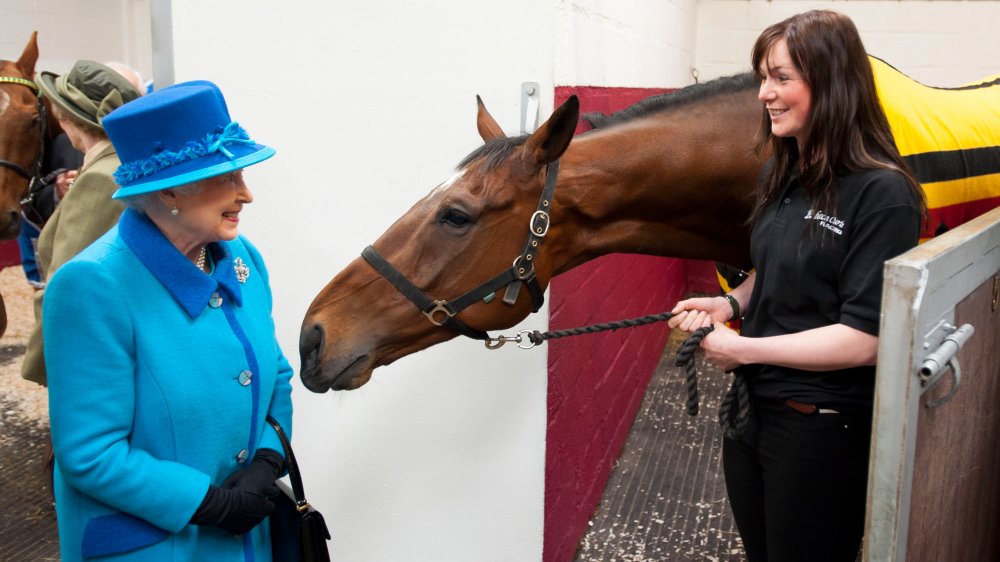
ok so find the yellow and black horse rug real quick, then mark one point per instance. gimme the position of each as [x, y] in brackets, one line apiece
[950, 138]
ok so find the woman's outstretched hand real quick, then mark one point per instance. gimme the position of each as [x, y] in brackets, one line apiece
[691, 314]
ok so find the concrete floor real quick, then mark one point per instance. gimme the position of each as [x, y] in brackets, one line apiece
[27, 514]
[666, 498]
[28, 518]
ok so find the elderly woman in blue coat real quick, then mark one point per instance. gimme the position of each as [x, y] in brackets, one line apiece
[162, 357]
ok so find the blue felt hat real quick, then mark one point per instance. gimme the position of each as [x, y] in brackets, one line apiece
[175, 136]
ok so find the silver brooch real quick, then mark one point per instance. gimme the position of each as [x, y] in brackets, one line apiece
[242, 271]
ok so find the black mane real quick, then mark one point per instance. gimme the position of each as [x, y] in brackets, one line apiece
[494, 152]
[677, 98]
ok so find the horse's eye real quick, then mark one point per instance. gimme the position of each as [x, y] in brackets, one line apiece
[455, 218]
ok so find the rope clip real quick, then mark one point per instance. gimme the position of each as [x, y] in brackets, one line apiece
[520, 339]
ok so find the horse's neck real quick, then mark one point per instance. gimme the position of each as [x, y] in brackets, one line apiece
[673, 185]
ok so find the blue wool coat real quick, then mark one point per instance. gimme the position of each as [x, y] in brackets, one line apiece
[160, 378]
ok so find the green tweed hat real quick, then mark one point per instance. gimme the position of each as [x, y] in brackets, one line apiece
[88, 92]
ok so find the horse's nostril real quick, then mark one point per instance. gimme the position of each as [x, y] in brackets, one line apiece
[310, 344]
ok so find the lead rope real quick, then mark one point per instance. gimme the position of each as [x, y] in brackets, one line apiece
[733, 424]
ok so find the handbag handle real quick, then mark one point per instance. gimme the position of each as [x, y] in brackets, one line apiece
[293, 467]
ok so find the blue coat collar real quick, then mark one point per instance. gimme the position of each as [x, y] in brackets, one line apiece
[190, 287]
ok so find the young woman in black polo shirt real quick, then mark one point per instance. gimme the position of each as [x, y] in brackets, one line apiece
[833, 204]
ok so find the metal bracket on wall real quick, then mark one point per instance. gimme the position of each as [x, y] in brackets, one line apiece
[943, 358]
[529, 107]
[162, 34]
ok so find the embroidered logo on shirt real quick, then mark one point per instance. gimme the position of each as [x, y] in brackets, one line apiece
[832, 224]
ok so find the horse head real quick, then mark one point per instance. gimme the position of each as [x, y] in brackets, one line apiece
[461, 235]
[20, 122]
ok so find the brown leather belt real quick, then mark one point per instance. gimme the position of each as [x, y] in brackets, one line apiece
[807, 409]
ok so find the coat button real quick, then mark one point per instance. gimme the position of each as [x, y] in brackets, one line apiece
[215, 301]
[245, 377]
[241, 457]
[787, 200]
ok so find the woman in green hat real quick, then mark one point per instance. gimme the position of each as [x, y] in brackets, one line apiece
[79, 99]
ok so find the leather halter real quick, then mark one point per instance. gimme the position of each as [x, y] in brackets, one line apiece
[35, 172]
[442, 312]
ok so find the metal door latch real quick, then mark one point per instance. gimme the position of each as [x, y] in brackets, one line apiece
[943, 358]
[529, 107]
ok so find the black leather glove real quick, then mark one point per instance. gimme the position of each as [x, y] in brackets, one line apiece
[258, 477]
[234, 511]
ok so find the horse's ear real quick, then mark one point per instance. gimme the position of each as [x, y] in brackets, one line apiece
[487, 125]
[551, 139]
[30, 56]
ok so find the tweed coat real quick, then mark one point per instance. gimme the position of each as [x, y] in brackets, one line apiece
[160, 377]
[85, 213]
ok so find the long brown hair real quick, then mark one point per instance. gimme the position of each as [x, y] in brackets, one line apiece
[846, 129]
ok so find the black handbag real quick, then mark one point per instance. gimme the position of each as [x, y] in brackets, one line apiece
[298, 531]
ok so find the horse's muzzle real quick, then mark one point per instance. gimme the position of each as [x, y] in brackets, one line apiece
[341, 373]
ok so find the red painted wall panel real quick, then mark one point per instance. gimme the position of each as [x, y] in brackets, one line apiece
[597, 381]
[10, 254]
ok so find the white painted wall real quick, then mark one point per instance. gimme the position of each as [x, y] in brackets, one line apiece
[370, 106]
[939, 43]
[69, 30]
[631, 43]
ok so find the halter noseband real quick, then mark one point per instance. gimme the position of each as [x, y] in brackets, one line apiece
[442, 312]
[35, 172]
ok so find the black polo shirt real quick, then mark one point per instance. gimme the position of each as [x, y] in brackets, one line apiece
[828, 273]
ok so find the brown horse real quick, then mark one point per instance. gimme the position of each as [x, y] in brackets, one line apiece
[23, 124]
[22, 112]
[673, 178]
[670, 176]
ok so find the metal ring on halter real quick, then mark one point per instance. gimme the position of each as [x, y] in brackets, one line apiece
[439, 306]
[521, 340]
[522, 272]
[531, 224]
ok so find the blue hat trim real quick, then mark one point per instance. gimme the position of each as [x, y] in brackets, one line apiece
[189, 286]
[232, 138]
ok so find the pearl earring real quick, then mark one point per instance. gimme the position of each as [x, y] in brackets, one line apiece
[174, 211]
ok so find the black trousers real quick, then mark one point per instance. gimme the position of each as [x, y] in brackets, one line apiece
[797, 484]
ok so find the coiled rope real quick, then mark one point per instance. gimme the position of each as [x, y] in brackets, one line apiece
[733, 421]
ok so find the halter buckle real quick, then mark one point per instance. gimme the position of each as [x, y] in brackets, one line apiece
[544, 229]
[439, 306]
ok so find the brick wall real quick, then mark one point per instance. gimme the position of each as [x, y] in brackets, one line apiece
[597, 382]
